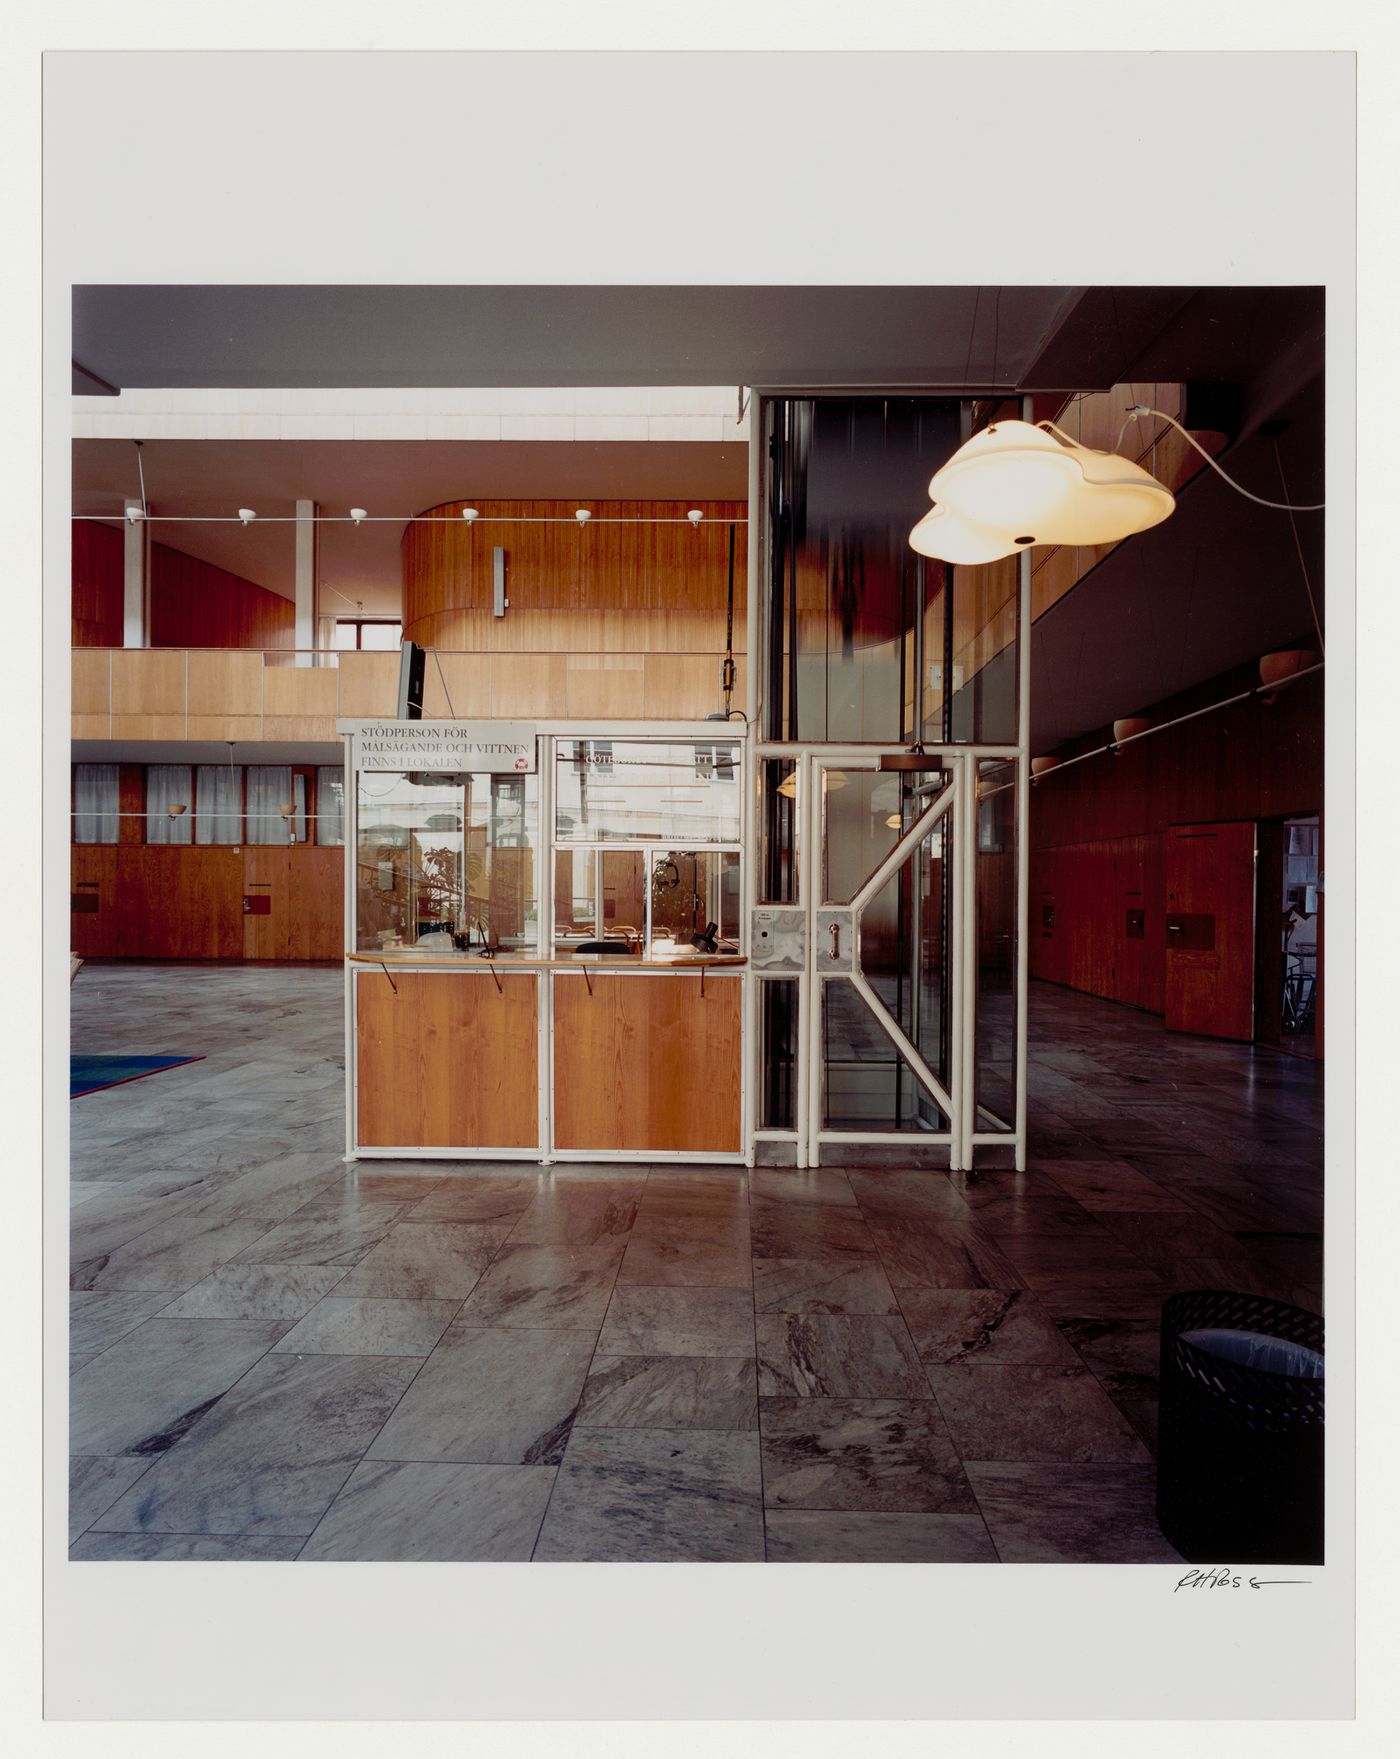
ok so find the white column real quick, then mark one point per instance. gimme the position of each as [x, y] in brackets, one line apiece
[135, 612]
[306, 581]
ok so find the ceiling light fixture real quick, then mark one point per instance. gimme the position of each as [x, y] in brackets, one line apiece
[1016, 484]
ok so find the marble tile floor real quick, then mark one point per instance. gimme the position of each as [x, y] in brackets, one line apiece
[278, 1356]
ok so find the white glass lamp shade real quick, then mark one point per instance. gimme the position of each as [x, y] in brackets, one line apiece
[945, 537]
[1014, 485]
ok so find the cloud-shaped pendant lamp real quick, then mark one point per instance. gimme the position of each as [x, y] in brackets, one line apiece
[1016, 484]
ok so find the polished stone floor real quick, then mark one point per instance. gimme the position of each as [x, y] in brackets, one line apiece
[276, 1355]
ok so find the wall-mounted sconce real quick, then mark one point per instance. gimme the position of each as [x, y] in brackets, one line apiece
[247, 515]
[1128, 728]
[176, 807]
[1275, 667]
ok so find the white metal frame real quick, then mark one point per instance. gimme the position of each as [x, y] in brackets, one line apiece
[545, 1152]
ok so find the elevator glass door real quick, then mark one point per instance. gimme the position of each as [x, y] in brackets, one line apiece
[886, 970]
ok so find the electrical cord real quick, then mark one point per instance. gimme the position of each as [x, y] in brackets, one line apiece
[1278, 506]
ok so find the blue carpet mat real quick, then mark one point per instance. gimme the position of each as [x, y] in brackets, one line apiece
[87, 1074]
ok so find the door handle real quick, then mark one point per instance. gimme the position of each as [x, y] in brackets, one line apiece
[836, 940]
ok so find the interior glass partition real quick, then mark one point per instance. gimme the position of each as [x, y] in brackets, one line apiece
[446, 860]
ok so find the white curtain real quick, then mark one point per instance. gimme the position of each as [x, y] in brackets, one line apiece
[269, 790]
[220, 816]
[169, 785]
[96, 801]
[330, 805]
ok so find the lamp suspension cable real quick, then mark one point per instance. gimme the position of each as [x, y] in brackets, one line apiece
[1141, 409]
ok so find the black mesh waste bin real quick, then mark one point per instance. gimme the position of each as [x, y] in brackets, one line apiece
[1240, 1435]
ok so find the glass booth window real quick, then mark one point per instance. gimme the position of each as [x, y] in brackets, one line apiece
[447, 859]
[630, 791]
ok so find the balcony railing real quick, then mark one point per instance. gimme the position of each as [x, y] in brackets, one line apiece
[251, 695]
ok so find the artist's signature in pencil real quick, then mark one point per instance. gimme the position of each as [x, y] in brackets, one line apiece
[1219, 1577]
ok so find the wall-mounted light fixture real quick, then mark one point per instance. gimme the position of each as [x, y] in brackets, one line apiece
[246, 515]
[1275, 667]
[357, 514]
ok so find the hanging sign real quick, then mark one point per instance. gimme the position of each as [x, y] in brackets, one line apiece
[490, 747]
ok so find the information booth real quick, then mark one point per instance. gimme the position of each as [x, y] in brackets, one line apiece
[545, 954]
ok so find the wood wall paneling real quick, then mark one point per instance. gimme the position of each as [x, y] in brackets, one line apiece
[316, 903]
[643, 570]
[460, 690]
[93, 874]
[194, 604]
[449, 1061]
[92, 694]
[179, 903]
[225, 695]
[369, 685]
[131, 803]
[604, 687]
[99, 583]
[267, 874]
[148, 694]
[300, 702]
[528, 685]
[1252, 761]
[647, 1063]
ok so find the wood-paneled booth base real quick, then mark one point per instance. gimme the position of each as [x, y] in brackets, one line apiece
[641, 1062]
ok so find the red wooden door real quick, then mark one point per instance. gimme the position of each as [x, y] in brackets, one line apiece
[1210, 930]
